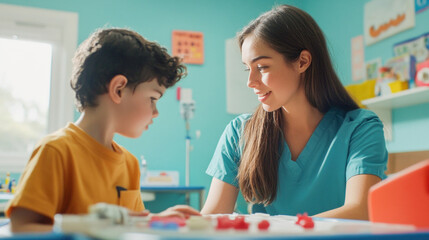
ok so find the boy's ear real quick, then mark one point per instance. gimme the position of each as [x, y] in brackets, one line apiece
[116, 87]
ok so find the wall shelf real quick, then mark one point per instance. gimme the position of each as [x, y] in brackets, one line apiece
[383, 105]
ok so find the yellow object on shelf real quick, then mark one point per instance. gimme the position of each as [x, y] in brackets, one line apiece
[398, 86]
[362, 91]
[7, 179]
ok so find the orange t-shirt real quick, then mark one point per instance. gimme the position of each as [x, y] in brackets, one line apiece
[70, 171]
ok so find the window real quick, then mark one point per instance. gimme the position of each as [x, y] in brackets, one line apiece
[36, 47]
[24, 95]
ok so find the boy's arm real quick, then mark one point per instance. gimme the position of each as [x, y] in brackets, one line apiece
[25, 220]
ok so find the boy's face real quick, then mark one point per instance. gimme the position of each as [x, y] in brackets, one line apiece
[138, 108]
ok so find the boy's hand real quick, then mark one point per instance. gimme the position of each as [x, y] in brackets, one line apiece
[182, 211]
[143, 213]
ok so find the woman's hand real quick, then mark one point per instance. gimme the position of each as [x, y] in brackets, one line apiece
[182, 211]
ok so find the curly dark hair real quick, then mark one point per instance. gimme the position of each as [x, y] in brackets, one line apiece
[116, 51]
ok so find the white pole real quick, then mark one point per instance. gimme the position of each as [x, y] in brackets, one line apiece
[188, 148]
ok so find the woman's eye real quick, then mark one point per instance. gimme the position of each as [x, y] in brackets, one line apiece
[261, 68]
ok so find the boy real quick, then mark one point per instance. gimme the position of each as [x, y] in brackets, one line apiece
[118, 77]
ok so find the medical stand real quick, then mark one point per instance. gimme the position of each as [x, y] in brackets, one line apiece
[187, 109]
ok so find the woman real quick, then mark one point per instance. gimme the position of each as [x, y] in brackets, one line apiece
[308, 147]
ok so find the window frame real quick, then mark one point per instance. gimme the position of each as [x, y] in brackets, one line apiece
[60, 29]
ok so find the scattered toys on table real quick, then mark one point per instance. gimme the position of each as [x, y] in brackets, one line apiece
[96, 225]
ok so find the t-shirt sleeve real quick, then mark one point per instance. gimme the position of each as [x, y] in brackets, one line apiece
[367, 149]
[41, 185]
[225, 160]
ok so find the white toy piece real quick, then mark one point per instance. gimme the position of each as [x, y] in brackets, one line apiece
[70, 223]
[198, 223]
[118, 214]
[99, 215]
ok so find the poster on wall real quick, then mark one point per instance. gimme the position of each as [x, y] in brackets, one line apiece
[358, 68]
[189, 46]
[417, 46]
[372, 68]
[239, 98]
[384, 18]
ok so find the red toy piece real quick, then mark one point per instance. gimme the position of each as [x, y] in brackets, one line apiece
[223, 222]
[305, 221]
[240, 223]
[263, 225]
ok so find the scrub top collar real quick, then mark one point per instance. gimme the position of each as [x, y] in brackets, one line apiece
[304, 156]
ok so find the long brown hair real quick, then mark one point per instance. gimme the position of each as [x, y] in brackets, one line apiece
[288, 30]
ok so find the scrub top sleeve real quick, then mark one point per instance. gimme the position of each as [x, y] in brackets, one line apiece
[367, 150]
[225, 160]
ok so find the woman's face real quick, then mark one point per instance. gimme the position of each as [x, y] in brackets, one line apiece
[276, 82]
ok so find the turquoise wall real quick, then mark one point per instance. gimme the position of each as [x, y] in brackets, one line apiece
[163, 145]
[342, 20]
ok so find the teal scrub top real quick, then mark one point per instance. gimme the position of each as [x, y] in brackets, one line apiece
[344, 144]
